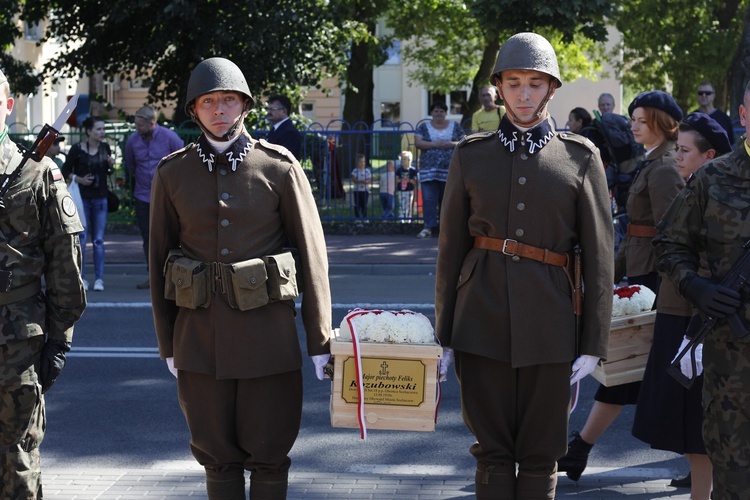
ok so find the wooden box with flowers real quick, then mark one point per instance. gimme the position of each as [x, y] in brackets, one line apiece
[630, 336]
[386, 372]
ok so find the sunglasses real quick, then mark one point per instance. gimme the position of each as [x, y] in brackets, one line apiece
[705, 92]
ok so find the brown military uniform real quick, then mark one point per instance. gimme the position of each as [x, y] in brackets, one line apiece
[509, 318]
[38, 239]
[229, 207]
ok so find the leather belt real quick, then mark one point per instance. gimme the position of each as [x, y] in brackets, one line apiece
[642, 231]
[513, 247]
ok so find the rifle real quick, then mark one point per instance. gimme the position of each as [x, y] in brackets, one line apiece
[36, 152]
[738, 279]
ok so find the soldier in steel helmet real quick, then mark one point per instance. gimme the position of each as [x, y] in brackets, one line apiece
[709, 220]
[222, 285]
[517, 202]
[39, 227]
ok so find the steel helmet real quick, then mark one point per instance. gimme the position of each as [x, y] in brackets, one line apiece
[216, 73]
[527, 51]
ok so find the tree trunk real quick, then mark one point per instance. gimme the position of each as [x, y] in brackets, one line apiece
[740, 72]
[489, 58]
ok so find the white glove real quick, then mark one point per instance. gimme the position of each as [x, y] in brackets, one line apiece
[170, 365]
[686, 367]
[320, 361]
[584, 365]
[445, 363]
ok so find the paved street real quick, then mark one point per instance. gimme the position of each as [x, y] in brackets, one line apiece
[115, 430]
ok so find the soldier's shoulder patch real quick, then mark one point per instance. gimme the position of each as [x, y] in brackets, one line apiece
[174, 154]
[56, 173]
[578, 139]
[479, 136]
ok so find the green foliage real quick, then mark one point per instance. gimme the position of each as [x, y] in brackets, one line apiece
[280, 45]
[673, 46]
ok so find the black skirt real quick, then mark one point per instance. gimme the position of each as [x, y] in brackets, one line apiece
[668, 416]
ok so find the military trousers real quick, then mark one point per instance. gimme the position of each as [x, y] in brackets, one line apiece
[22, 419]
[518, 415]
[246, 424]
[726, 406]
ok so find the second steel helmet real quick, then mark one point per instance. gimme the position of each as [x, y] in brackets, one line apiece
[527, 51]
[216, 73]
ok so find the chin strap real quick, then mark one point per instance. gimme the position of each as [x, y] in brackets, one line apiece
[540, 110]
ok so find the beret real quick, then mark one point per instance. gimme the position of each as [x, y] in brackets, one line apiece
[659, 100]
[710, 130]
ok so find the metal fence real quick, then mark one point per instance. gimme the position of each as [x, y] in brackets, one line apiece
[328, 157]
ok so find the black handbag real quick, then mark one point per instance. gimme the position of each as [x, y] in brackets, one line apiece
[113, 202]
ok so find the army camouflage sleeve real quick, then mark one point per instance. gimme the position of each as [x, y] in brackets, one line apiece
[64, 294]
[680, 238]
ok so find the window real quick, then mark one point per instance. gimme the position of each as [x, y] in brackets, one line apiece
[394, 53]
[455, 100]
[32, 31]
[390, 111]
[139, 83]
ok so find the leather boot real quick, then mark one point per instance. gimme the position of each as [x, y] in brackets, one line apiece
[268, 486]
[536, 485]
[495, 482]
[225, 485]
[574, 462]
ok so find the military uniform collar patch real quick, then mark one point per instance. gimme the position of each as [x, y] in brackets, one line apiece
[532, 140]
[234, 154]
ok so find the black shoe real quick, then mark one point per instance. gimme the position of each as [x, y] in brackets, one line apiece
[683, 482]
[574, 462]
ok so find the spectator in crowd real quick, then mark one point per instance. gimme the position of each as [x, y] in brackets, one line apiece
[706, 96]
[668, 416]
[144, 150]
[654, 121]
[89, 163]
[54, 151]
[283, 132]
[578, 120]
[606, 103]
[387, 189]
[406, 183]
[436, 139]
[230, 204]
[504, 245]
[361, 178]
[487, 118]
[42, 297]
[709, 222]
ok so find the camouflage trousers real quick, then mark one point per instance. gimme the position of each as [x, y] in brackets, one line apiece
[726, 426]
[22, 420]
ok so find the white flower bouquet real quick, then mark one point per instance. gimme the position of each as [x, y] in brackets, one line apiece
[401, 327]
[632, 299]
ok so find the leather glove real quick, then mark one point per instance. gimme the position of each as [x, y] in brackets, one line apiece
[320, 361]
[52, 362]
[170, 366]
[445, 363]
[584, 365]
[711, 298]
[686, 367]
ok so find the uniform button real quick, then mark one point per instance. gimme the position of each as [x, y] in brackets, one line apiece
[224, 196]
[524, 156]
[253, 280]
[515, 258]
[224, 251]
[519, 232]
[223, 171]
[521, 206]
[522, 180]
[224, 222]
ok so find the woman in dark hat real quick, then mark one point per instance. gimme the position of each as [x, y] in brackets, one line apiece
[655, 117]
[668, 416]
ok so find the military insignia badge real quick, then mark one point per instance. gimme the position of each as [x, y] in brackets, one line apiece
[56, 174]
[69, 206]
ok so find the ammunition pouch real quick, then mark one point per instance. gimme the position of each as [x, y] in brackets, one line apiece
[247, 284]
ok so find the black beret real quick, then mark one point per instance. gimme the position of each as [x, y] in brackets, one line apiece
[710, 130]
[659, 100]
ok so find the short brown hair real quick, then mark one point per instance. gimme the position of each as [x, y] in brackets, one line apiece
[661, 122]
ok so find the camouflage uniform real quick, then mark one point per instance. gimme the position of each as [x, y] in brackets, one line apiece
[712, 214]
[38, 239]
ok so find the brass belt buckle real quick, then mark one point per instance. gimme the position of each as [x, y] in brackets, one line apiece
[505, 247]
